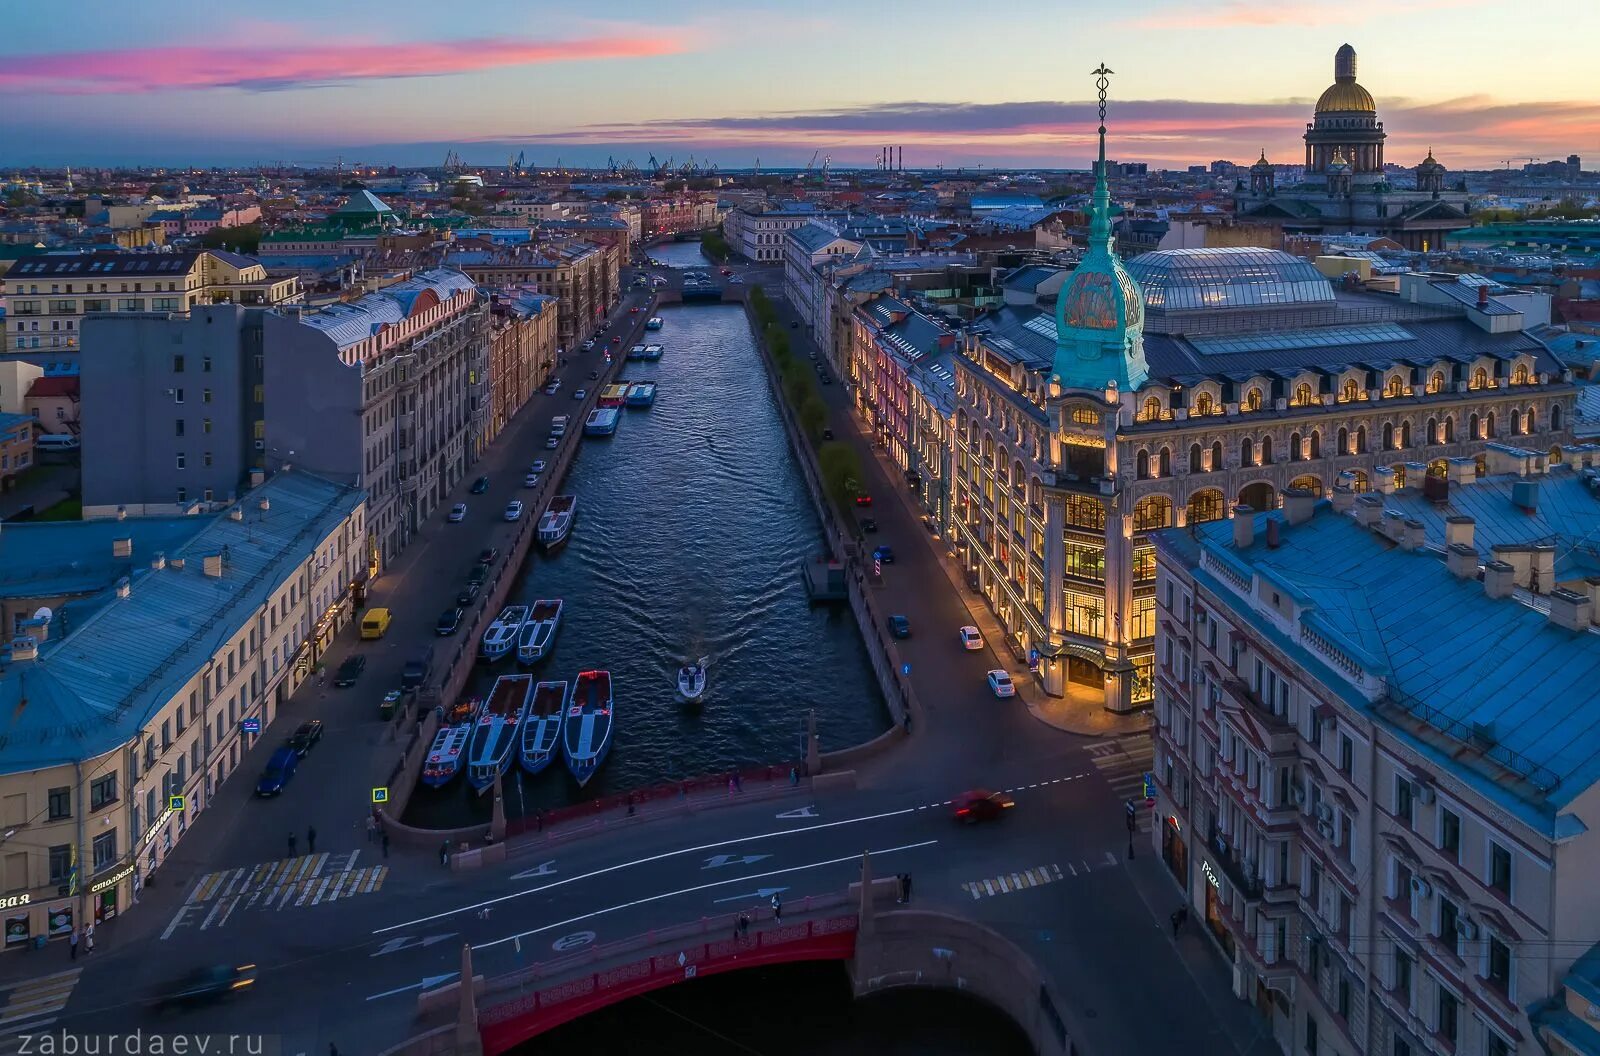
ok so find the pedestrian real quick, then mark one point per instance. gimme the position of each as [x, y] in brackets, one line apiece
[630, 804]
[794, 775]
[730, 786]
[444, 854]
[738, 783]
[900, 881]
[138, 883]
[291, 845]
[311, 839]
[386, 843]
[488, 838]
[777, 907]
[372, 828]
[88, 939]
[744, 924]
[1179, 916]
[72, 943]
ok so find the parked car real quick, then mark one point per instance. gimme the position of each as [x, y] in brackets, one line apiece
[279, 769]
[899, 626]
[1000, 683]
[634, 310]
[538, 463]
[488, 555]
[588, 344]
[514, 510]
[449, 621]
[530, 480]
[203, 985]
[417, 670]
[458, 513]
[863, 499]
[306, 737]
[580, 394]
[981, 805]
[465, 595]
[794, 324]
[480, 485]
[827, 434]
[478, 573]
[971, 638]
[552, 442]
[826, 380]
[868, 525]
[350, 670]
[883, 554]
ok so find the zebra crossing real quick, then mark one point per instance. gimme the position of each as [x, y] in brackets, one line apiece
[1124, 761]
[307, 880]
[1010, 883]
[31, 1007]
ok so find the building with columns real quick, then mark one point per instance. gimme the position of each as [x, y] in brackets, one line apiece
[1168, 391]
[1346, 188]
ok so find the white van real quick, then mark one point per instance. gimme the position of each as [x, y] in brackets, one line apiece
[558, 425]
[55, 442]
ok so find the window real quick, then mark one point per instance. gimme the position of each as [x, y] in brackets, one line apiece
[177, 427]
[1303, 396]
[1347, 755]
[182, 460]
[1449, 1013]
[102, 791]
[205, 395]
[1402, 799]
[1449, 917]
[1500, 869]
[177, 395]
[60, 803]
[205, 425]
[1344, 997]
[1311, 1035]
[60, 863]
[1252, 400]
[1450, 833]
[1203, 407]
[105, 850]
[177, 364]
[1402, 976]
[1498, 965]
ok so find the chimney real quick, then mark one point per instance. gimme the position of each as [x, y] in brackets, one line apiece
[1369, 510]
[158, 562]
[1498, 579]
[265, 505]
[1483, 297]
[1542, 576]
[24, 647]
[258, 477]
[1463, 470]
[213, 566]
[1413, 535]
[1525, 496]
[1344, 499]
[122, 547]
[1461, 560]
[1458, 529]
[1298, 505]
[1272, 533]
[1570, 609]
[1592, 587]
[124, 587]
[236, 514]
[1244, 527]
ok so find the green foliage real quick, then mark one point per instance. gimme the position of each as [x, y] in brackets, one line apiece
[715, 246]
[841, 472]
[813, 415]
[243, 239]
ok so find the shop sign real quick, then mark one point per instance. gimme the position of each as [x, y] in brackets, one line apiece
[1211, 877]
[13, 901]
[113, 880]
[59, 919]
[158, 826]
[17, 929]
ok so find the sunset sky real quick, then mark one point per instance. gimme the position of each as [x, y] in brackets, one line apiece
[399, 81]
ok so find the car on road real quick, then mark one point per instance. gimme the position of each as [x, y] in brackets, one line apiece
[899, 626]
[552, 441]
[579, 394]
[530, 480]
[465, 595]
[981, 805]
[794, 324]
[971, 638]
[391, 703]
[306, 737]
[553, 387]
[458, 513]
[538, 465]
[449, 621]
[480, 485]
[204, 985]
[825, 379]
[558, 427]
[279, 769]
[349, 671]
[868, 525]
[478, 573]
[488, 555]
[514, 510]
[634, 310]
[588, 344]
[883, 554]
[863, 499]
[1000, 684]
[737, 280]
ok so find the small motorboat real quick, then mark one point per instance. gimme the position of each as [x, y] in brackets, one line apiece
[495, 733]
[557, 521]
[501, 637]
[692, 680]
[539, 633]
[444, 756]
[541, 734]
[586, 736]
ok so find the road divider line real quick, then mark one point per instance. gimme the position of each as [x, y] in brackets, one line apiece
[693, 890]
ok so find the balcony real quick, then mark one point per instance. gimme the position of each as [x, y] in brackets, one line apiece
[1248, 884]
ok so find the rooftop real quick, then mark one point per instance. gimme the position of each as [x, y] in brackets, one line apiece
[352, 322]
[45, 559]
[1180, 280]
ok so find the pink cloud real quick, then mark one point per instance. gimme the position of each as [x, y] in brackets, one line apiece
[287, 65]
[1250, 13]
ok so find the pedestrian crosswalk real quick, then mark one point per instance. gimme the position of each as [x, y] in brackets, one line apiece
[1124, 761]
[31, 1007]
[1010, 883]
[308, 880]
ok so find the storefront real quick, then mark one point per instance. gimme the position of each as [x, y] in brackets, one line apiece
[1216, 915]
[1174, 850]
[105, 893]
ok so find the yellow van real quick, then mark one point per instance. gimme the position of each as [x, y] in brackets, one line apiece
[374, 623]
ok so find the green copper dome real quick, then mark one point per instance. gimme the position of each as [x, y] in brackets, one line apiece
[1100, 311]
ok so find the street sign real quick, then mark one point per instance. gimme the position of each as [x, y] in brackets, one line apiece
[1149, 785]
[1033, 659]
[175, 802]
[251, 725]
[380, 795]
[905, 668]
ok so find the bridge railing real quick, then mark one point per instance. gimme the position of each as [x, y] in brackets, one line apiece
[550, 819]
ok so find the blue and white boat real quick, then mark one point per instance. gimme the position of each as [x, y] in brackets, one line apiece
[445, 755]
[539, 633]
[541, 734]
[587, 734]
[501, 637]
[602, 421]
[641, 394]
[494, 735]
[636, 352]
[653, 352]
[556, 524]
[655, 323]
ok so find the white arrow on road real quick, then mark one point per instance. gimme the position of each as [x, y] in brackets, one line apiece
[428, 983]
[760, 894]
[408, 942]
[800, 812]
[733, 859]
[542, 869]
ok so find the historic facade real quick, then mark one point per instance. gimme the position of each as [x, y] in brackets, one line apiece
[1346, 188]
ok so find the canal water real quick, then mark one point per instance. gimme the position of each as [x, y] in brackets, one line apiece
[693, 524]
[794, 1010]
[678, 255]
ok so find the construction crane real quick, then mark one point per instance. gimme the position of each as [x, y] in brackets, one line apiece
[827, 160]
[813, 162]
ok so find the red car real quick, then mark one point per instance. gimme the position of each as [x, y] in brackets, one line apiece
[863, 500]
[980, 805]
[727, 271]
[634, 310]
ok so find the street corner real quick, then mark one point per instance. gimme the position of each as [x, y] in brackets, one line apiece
[1081, 713]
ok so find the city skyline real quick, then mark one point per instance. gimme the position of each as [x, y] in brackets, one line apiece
[172, 84]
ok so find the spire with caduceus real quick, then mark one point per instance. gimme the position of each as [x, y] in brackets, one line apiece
[1100, 214]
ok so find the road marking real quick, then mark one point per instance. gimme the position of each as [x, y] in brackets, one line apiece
[428, 983]
[570, 942]
[1111, 859]
[720, 860]
[33, 1004]
[407, 942]
[693, 890]
[644, 861]
[542, 869]
[1011, 883]
[800, 812]
[760, 894]
[1072, 867]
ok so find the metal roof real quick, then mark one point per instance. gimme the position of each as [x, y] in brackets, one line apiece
[44, 559]
[352, 322]
[1175, 280]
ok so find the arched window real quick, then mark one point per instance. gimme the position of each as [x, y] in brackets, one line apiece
[1488, 426]
[1388, 436]
[1164, 462]
[1433, 430]
[1141, 465]
[1361, 439]
[1316, 443]
[1555, 417]
[1516, 423]
[1252, 400]
[1350, 392]
[1480, 379]
[1196, 459]
[1247, 452]
[1521, 376]
[1152, 512]
[1216, 455]
[1399, 471]
[1303, 396]
[1396, 387]
[1202, 404]
[1472, 428]
[1405, 434]
[1266, 450]
[1450, 429]
[1344, 441]
[1205, 505]
[1294, 447]
[1152, 410]
[1436, 382]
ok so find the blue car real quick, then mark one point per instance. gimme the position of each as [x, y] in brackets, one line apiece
[884, 554]
[899, 626]
[280, 768]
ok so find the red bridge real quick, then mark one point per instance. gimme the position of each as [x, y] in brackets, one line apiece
[602, 975]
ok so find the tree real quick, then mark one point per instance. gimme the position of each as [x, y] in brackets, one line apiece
[243, 239]
[813, 416]
[841, 472]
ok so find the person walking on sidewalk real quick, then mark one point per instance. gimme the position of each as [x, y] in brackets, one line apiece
[311, 839]
[1179, 917]
[291, 845]
[72, 943]
[372, 828]
[444, 854]
[386, 843]
[88, 938]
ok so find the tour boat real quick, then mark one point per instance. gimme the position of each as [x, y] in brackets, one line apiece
[444, 756]
[501, 637]
[613, 395]
[636, 352]
[641, 394]
[556, 523]
[655, 323]
[692, 680]
[653, 352]
[587, 734]
[602, 421]
[541, 735]
[494, 736]
[539, 633]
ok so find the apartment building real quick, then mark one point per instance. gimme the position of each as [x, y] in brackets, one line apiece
[806, 251]
[51, 294]
[522, 353]
[16, 444]
[1375, 755]
[125, 707]
[758, 234]
[584, 278]
[669, 216]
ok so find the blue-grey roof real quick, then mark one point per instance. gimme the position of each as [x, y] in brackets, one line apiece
[236, 260]
[813, 237]
[352, 322]
[1578, 349]
[1005, 201]
[1442, 643]
[45, 559]
[1019, 217]
[1029, 277]
[96, 687]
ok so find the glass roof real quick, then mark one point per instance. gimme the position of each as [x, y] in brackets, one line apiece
[1319, 337]
[1181, 280]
